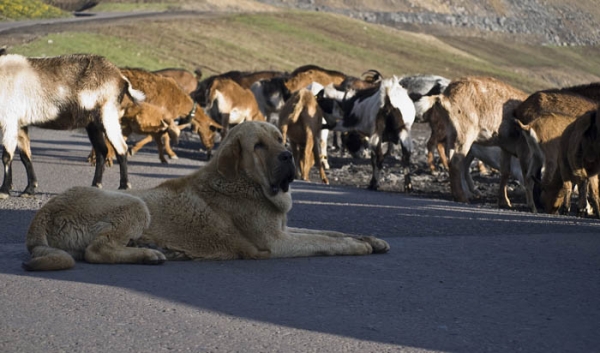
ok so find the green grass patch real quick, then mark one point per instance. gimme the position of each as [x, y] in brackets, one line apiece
[119, 51]
[28, 9]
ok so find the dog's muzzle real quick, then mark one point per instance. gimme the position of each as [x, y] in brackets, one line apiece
[285, 172]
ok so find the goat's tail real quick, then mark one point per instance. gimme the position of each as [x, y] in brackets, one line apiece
[536, 155]
[424, 103]
[135, 95]
[43, 256]
[299, 105]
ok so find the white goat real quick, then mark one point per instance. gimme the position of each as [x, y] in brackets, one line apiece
[64, 92]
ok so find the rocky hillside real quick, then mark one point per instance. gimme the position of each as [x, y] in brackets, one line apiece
[552, 22]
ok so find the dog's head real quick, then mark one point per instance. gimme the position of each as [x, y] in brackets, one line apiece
[255, 150]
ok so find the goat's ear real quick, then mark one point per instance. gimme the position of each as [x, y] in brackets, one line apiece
[229, 158]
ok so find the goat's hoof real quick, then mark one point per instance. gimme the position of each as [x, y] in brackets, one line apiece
[4, 195]
[27, 195]
[373, 186]
[173, 157]
[125, 187]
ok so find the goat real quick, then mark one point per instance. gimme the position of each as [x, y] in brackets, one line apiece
[538, 153]
[187, 80]
[243, 78]
[475, 108]
[272, 93]
[572, 158]
[153, 121]
[383, 113]
[300, 121]
[164, 93]
[64, 92]
[231, 104]
[568, 104]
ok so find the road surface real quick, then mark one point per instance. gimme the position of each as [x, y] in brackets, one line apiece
[457, 279]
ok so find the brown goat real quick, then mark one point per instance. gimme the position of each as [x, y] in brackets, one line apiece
[578, 163]
[538, 148]
[164, 93]
[231, 104]
[187, 80]
[243, 78]
[475, 108]
[206, 128]
[154, 121]
[300, 121]
[562, 102]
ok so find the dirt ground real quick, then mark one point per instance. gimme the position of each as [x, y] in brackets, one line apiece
[346, 170]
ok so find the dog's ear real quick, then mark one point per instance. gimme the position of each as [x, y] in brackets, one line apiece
[229, 159]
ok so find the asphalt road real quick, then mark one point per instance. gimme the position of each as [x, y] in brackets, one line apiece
[457, 279]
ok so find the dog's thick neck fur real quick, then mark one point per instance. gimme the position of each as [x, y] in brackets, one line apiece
[245, 186]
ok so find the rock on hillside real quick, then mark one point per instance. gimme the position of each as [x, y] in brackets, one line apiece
[552, 22]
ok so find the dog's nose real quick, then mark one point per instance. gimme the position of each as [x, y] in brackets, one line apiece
[285, 156]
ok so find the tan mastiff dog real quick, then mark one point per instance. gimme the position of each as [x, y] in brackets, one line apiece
[233, 208]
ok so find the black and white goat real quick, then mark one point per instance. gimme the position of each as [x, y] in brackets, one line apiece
[62, 93]
[383, 113]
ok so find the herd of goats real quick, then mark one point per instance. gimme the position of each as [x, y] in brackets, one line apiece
[548, 140]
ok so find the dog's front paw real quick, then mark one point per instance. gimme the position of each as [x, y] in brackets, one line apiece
[153, 257]
[379, 246]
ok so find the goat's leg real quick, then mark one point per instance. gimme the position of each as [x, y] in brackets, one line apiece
[594, 193]
[97, 139]
[457, 171]
[161, 148]
[318, 153]
[141, 143]
[566, 191]
[225, 124]
[167, 144]
[503, 200]
[431, 143]
[468, 177]
[584, 189]
[297, 154]
[124, 180]
[441, 148]
[25, 152]
[323, 149]
[377, 164]
[406, 166]
[7, 183]
[531, 178]
[307, 154]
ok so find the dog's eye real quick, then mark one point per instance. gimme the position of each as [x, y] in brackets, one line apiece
[259, 145]
[280, 140]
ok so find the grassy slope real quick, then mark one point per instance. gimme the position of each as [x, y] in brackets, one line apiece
[286, 40]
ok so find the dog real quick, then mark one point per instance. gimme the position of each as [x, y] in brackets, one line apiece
[234, 207]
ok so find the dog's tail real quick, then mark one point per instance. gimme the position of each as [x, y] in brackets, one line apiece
[43, 256]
